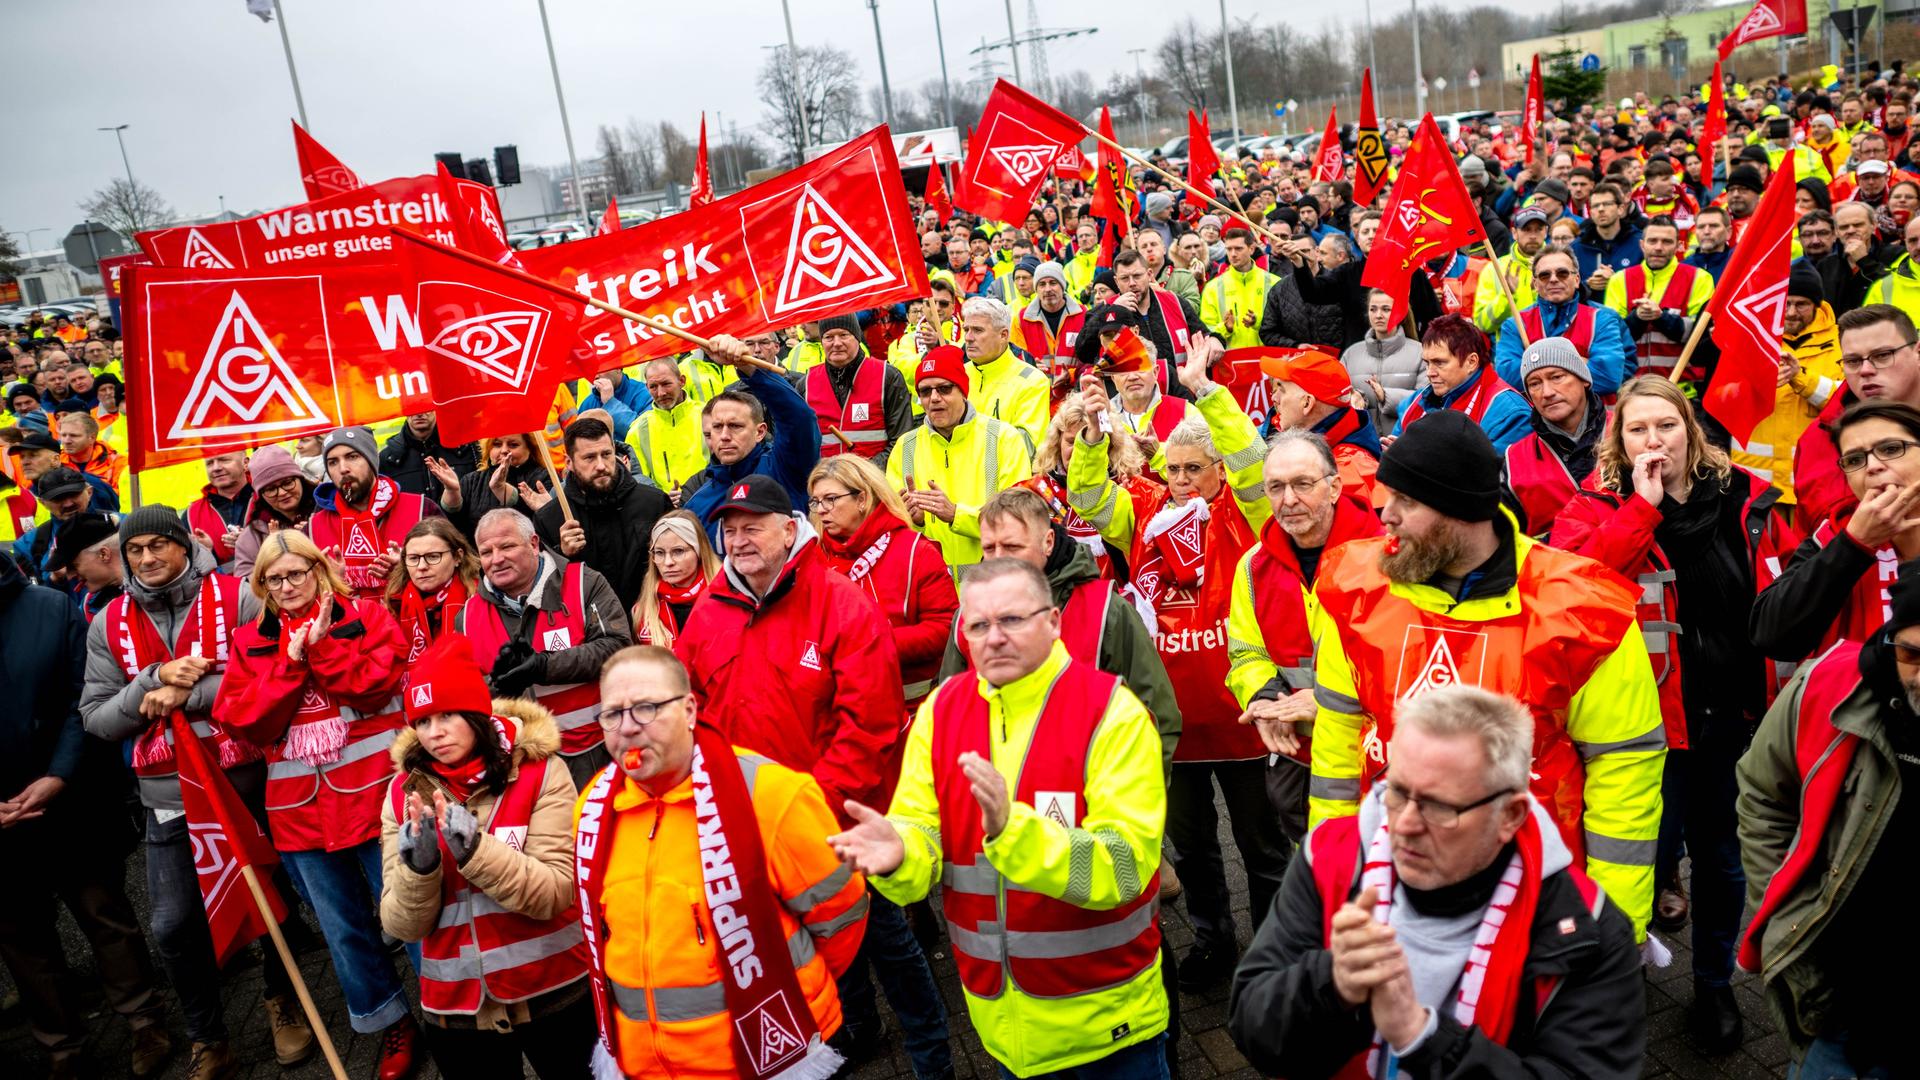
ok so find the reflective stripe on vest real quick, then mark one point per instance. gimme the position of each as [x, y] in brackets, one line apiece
[1001, 934]
[575, 706]
[362, 763]
[1656, 351]
[680, 1004]
[862, 418]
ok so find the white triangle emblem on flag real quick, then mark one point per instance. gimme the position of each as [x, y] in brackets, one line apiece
[826, 258]
[1439, 670]
[1760, 22]
[243, 373]
[497, 344]
[334, 179]
[1764, 312]
[200, 254]
[1025, 163]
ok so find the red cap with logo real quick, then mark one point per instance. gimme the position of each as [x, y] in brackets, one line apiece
[445, 678]
[947, 362]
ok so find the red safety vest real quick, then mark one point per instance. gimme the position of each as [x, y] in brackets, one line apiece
[1048, 948]
[1083, 623]
[1542, 653]
[480, 950]
[1540, 480]
[293, 787]
[1823, 755]
[1052, 351]
[1474, 403]
[1457, 293]
[224, 748]
[400, 518]
[21, 508]
[201, 515]
[575, 706]
[862, 419]
[1580, 332]
[1869, 604]
[1656, 351]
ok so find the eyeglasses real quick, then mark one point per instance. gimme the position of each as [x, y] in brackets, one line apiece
[292, 579]
[1188, 470]
[1879, 358]
[821, 504]
[1555, 275]
[290, 483]
[1300, 488]
[418, 559]
[1905, 653]
[1008, 624]
[1435, 813]
[666, 554]
[641, 713]
[1885, 450]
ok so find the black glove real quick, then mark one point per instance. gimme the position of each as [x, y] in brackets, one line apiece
[516, 680]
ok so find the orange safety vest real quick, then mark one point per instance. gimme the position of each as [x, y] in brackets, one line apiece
[862, 419]
[1047, 948]
[480, 950]
[575, 706]
[1542, 652]
[1656, 351]
[1052, 352]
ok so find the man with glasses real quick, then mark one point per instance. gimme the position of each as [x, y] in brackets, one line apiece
[775, 907]
[162, 647]
[795, 661]
[956, 460]
[1879, 363]
[1447, 928]
[1269, 645]
[541, 627]
[1031, 792]
[1596, 331]
[1456, 593]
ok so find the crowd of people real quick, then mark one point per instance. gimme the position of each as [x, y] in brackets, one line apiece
[650, 735]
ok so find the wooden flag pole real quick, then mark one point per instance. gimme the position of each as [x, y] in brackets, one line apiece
[845, 442]
[559, 491]
[1693, 339]
[1182, 183]
[293, 971]
[1506, 290]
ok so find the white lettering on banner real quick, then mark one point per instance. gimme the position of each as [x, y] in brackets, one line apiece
[722, 885]
[391, 322]
[646, 283]
[243, 373]
[200, 253]
[498, 344]
[295, 221]
[1191, 640]
[687, 316]
[826, 258]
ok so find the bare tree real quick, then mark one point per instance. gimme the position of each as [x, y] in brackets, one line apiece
[614, 160]
[127, 207]
[677, 153]
[643, 150]
[829, 87]
[1186, 58]
[8, 251]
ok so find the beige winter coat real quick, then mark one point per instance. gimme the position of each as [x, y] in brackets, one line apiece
[536, 881]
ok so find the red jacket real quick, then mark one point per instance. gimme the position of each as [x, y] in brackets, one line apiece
[910, 581]
[1820, 489]
[356, 667]
[808, 676]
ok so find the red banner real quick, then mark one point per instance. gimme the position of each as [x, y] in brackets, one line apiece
[1749, 311]
[1369, 153]
[702, 172]
[1713, 126]
[1202, 160]
[113, 268]
[1016, 145]
[219, 361]
[1533, 111]
[341, 230]
[1328, 162]
[319, 169]
[832, 236]
[226, 837]
[1430, 214]
[1767, 18]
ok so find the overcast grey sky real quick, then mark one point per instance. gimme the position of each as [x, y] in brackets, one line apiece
[387, 83]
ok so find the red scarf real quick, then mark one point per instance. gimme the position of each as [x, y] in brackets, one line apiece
[1489, 990]
[857, 555]
[773, 1031]
[666, 597]
[360, 544]
[318, 741]
[417, 611]
[151, 747]
[1175, 542]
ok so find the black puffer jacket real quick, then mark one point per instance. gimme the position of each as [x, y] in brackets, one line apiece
[404, 460]
[619, 526]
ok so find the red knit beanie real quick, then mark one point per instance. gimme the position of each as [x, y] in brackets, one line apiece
[943, 362]
[444, 678]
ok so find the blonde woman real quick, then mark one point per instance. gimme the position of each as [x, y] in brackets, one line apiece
[314, 682]
[680, 566]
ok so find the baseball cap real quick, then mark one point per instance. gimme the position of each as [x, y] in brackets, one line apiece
[1529, 215]
[1871, 165]
[76, 536]
[34, 440]
[1319, 374]
[58, 483]
[756, 494]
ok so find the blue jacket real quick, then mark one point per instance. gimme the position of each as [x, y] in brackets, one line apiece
[1611, 359]
[1508, 417]
[630, 399]
[1619, 253]
[788, 456]
[1715, 264]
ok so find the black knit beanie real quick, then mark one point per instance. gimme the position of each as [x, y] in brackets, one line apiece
[1446, 461]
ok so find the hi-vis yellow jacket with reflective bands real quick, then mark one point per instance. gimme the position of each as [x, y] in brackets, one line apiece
[705, 378]
[669, 444]
[1613, 721]
[1109, 507]
[1105, 858]
[981, 458]
[1011, 390]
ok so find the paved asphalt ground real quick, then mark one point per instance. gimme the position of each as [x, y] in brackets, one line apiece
[1205, 1048]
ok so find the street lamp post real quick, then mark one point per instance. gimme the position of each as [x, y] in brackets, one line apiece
[1226, 47]
[1013, 43]
[886, 89]
[793, 77]
[940, 42]
[1419, 80]
[117, 137]
[566, 125]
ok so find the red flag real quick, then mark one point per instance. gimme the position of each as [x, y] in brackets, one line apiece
[319, 169]
[225, 838]
[1713, 128]
[702, 173]
[1329, 164]
[1767, 18]
[495, 344]
[609, 221]
[1015, 146]
[1202, 160]
[1369, 153]
[1535, 110]
[1747, 311]
[1113, 194]
[475, 215]
[340, 230]
[936, 194]
[1429, 214]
